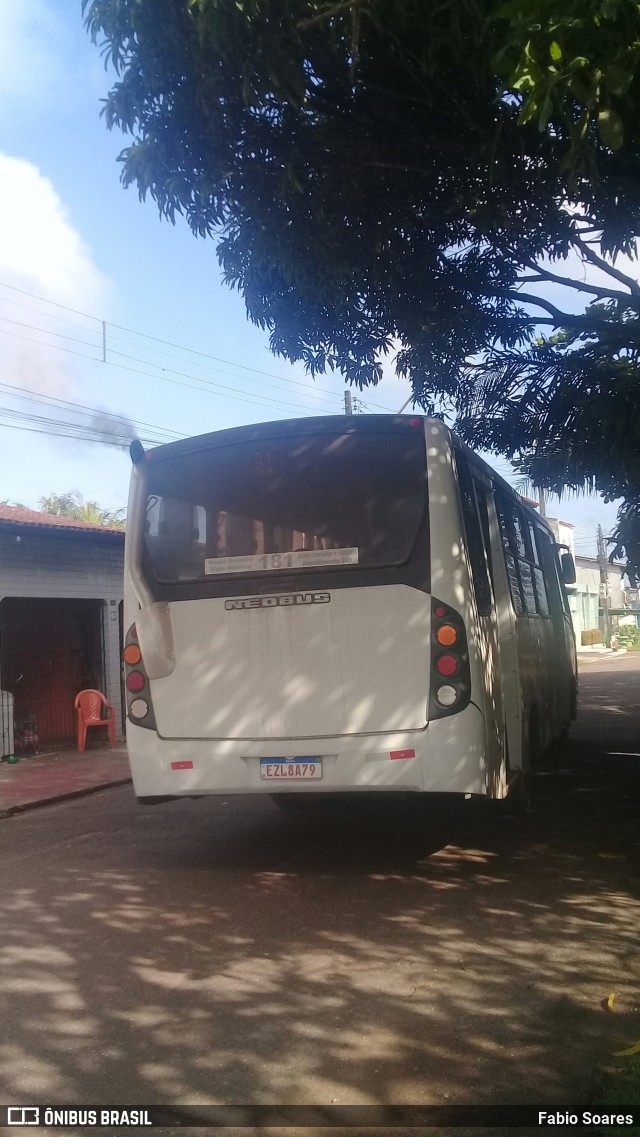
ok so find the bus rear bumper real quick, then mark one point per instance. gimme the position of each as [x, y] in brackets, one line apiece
[446, 757]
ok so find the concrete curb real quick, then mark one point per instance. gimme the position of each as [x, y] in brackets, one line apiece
[24, 806]
[593, 655]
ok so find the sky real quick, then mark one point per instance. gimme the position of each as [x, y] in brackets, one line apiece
[104, 306]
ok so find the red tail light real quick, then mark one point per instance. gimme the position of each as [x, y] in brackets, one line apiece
[139, 709]
[450, 675]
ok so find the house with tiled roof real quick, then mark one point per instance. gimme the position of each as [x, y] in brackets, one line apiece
[61, 593]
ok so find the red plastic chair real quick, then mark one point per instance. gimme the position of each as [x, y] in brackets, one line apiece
[89, 705]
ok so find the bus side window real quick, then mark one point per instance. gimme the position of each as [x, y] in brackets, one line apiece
[503, 507]
[539, 576]
[475, 540]
[483, 509]
[525, 553]
[556, 594]
[526, 564]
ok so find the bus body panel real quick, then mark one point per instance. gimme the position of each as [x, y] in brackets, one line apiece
[451, 582]
[448, 757]
[349, 661]
[537, 661]
[347, 676]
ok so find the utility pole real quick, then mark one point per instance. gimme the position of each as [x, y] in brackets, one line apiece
[542, 505]
[348, 406]
[605, 601]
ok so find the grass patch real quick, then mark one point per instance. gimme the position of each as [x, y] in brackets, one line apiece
[620, 1086]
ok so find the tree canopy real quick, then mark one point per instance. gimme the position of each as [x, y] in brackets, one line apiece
[72, 504]
[456, 183]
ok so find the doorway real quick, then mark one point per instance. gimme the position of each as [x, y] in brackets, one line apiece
[49, 650]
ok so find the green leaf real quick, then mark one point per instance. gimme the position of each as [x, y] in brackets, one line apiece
[581, 91]
[555, 51]
[524, 83]
[545, 111]
[578, 62]
[528, 112]
[610, 128]
[618, 79]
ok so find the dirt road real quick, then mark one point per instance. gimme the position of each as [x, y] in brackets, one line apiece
[223, 951]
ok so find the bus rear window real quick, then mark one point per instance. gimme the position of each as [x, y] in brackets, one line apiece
[291, 503]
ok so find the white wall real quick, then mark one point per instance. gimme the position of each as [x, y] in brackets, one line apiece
[61, 564]
[585, 599]
[564, 533]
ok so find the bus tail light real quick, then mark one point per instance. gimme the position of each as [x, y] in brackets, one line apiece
[450, 675]
[132, 655]
[139, 705]
[446, 695]
[136, 681]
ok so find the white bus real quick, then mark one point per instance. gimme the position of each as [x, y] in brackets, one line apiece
[340, 604]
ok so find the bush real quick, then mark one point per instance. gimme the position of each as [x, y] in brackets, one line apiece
[618, 1085]
[630, 637]
[590, 637]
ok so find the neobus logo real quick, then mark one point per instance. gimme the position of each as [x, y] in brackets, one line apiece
[289, 600]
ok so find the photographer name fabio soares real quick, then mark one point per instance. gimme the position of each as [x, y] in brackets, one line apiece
[585, 1117]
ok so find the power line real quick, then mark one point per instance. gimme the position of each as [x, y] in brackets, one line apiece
[120, 444]
[45, 300]
[197, 378]
[267, 403]
[133, 358]
[58, 347]
[178, 347]
[47, 315]
[203, 390]
[167, 355]
[44, 424]
[230, 363]
[29, 395]
[47, 332]
[83, 430]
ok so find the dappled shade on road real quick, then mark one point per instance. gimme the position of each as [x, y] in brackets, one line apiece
[222, 951]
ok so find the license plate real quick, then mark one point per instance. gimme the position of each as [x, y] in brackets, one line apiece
[291, 769]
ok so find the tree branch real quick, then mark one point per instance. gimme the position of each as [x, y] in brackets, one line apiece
[600, 263]
[335, 10]
[580, 286]
[563, 319]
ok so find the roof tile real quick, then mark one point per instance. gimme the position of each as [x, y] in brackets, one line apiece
[17, 515]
